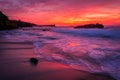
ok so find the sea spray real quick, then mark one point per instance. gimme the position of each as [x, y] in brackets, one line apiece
[37, 46]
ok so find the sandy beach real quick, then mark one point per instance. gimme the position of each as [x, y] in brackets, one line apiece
[15, 65]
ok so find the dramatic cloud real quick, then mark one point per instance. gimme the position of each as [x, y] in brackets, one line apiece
[63, 12]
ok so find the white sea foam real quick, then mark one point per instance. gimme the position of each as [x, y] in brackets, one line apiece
[96, 49]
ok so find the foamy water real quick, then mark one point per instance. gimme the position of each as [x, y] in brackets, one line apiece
[96, 50]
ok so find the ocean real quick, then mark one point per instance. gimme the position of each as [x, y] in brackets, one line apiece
[95, 50]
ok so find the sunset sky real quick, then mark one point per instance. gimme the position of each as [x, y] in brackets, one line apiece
[63, 12]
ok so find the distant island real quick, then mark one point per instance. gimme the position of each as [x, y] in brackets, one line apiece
[97, 25]
[7, 24]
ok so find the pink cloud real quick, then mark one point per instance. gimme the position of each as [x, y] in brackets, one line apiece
[54, 11]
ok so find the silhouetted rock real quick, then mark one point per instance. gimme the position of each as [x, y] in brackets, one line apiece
[34, 61]
[47, 29]
[23, 24]
[3, 21]
[50, 25]
[97, 25]
[3, 17]
[6, 24]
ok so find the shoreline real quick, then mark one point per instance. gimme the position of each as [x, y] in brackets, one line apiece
[16, 61]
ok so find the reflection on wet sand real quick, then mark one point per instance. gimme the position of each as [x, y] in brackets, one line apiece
[58, 54]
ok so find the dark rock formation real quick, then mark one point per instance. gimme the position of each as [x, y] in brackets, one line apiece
[34, 61]
[97, 25]
[47, 29]
[23, 24]
[6, 24]
[3, 21]
[50, 25]
[3, 17]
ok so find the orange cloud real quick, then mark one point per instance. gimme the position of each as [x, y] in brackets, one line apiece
[63, 12]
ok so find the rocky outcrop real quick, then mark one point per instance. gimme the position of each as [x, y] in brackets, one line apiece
[6, 24]
[3, 17]
[97, 25]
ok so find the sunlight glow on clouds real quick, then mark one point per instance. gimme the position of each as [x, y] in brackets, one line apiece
[63, 12]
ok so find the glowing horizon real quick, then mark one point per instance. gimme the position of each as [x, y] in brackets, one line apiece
[64, 12]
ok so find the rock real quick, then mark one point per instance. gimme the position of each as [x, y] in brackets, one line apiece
[7, 24]
[46, 29]
[97, 25]
[34, 61]
[3, 17]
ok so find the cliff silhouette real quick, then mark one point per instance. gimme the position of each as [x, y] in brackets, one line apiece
[7, 24]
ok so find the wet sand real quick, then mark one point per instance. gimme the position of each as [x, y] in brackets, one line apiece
[15, 65]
